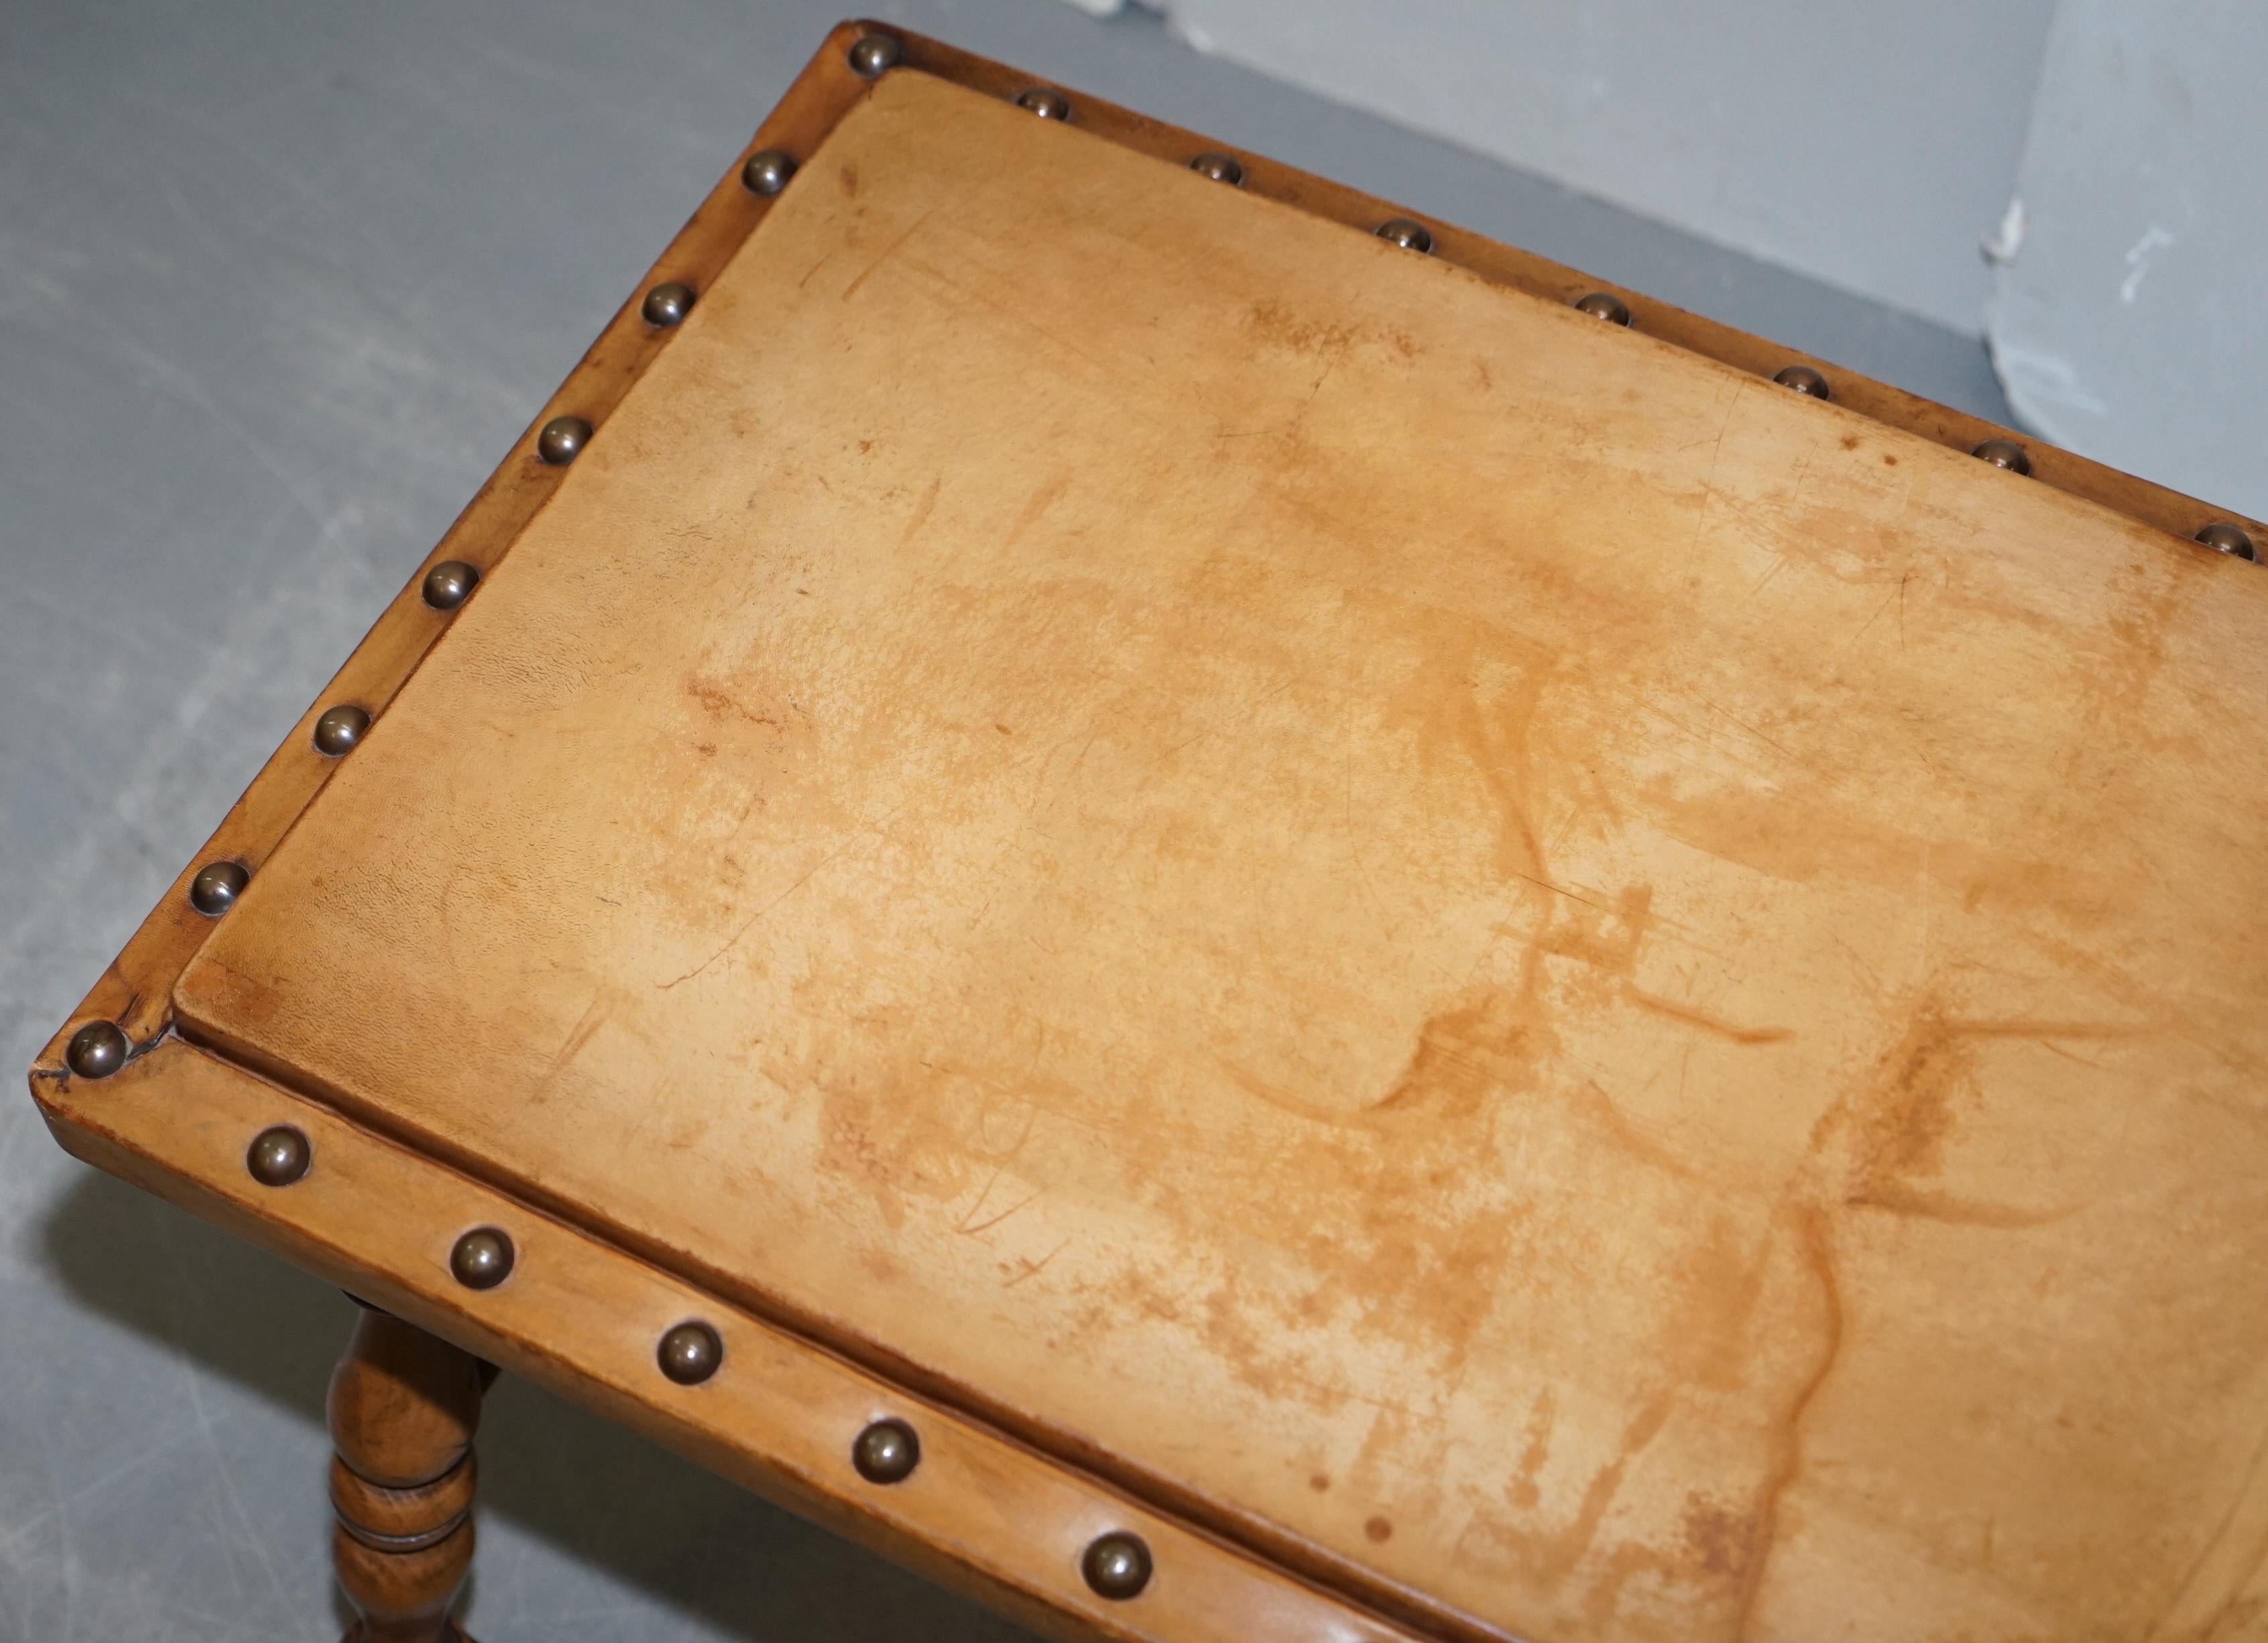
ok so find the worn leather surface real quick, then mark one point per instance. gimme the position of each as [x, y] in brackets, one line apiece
[1573, 981]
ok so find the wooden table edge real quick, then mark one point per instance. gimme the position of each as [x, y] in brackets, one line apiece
[983, 1513]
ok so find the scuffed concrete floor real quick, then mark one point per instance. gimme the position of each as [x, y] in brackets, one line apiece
[279, 282]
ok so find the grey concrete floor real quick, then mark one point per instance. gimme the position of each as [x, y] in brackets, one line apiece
[279, 282]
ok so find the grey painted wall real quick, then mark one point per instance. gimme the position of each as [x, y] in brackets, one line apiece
[2130, 322]
[1870, 146]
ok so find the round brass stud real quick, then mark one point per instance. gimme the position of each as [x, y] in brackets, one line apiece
[874, 55]
[1600, 306]
[1046, 104]
[1411, 236]
[2223, 537]
[96, 1050]
[1804, 380]
[563, 440]
[217, 886]
[449, 584]
[766, 173]
[1220, 167]
[278, 1156]
[340, 731]
[1116, 1566]
[667, 305]
[886, 1452]
[2004, 453]
[481, 1259]
[690, 1353]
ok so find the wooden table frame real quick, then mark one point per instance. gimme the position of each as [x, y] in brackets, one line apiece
[986, 1510]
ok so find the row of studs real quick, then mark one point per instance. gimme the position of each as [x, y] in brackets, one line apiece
[767, 173]
[876, 53]
[873, 55]
[2220, 536]
[1116, 1565]
[341, 729]
[215, 885]
[99, 1049]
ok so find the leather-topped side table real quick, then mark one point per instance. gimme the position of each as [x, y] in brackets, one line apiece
[1237, 918]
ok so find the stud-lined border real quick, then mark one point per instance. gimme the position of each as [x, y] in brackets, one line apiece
[135, 992]
[975, 1509]
[2168, 509]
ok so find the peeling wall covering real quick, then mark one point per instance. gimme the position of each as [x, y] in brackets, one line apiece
[2129, 322]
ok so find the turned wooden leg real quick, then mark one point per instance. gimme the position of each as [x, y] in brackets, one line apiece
[404, 1405]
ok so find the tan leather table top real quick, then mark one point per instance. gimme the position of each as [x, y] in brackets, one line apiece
[1590, 989]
